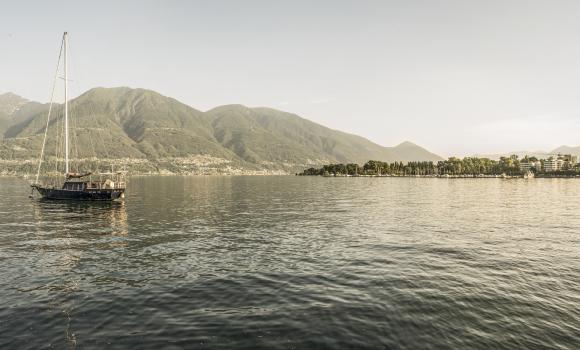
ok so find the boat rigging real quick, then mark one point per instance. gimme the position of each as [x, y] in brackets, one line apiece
[76, 185]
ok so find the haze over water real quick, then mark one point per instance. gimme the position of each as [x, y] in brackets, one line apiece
[295, 262]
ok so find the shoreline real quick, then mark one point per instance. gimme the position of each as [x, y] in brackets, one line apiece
[27, 176]
[460, 176]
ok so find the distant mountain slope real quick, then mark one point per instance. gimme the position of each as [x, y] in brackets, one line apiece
[267, 135]
[10, 102]
[567, 150]
[538, 154]
[14, 111]
[520, 154]
[138, 123]
[409, 150]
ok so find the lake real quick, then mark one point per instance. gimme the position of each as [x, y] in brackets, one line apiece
[294, 262]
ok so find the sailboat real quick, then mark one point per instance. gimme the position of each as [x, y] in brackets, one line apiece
[75, 185]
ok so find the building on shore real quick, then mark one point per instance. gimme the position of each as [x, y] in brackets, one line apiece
[553, 164]
[568, 158]
[569, 161]
[560, 162]
[526, 166]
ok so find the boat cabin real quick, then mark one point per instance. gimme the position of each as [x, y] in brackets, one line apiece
[78, 182]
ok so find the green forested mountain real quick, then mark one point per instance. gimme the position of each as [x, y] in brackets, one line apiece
[14, 111]
[411, 152]
[9, 103]
[135, 123]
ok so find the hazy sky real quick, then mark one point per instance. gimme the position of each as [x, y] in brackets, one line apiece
[458, 77]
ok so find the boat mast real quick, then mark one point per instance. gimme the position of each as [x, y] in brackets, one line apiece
[65, 104]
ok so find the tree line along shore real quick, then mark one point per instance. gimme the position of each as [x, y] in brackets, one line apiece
[453, 167]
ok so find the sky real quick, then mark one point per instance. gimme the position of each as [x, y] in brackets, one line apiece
[457, 77]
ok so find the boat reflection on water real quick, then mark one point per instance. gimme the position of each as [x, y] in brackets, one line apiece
[67, 235]
[78, 219]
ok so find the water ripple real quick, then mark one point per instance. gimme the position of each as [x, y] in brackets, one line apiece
[295, 262]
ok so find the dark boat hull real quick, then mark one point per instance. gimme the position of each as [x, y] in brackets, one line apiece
[81, 195]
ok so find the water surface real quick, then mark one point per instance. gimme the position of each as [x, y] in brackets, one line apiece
[295, 262]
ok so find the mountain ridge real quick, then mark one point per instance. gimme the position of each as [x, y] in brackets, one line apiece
[574, 150]
[143, 124]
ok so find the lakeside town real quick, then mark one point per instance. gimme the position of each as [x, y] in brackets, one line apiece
[191, 165]
[561, 165]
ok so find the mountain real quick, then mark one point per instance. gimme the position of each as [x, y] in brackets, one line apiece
[260, 135]
[15, 110]
[9, 103]
[409, 150]
[575, 150]
[142, 124]
[520, 154]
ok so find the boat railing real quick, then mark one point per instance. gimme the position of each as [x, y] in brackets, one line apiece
[99, 185]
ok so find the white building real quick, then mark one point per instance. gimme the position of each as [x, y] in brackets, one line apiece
[569, 160]
[553, 164]
[527, 166]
